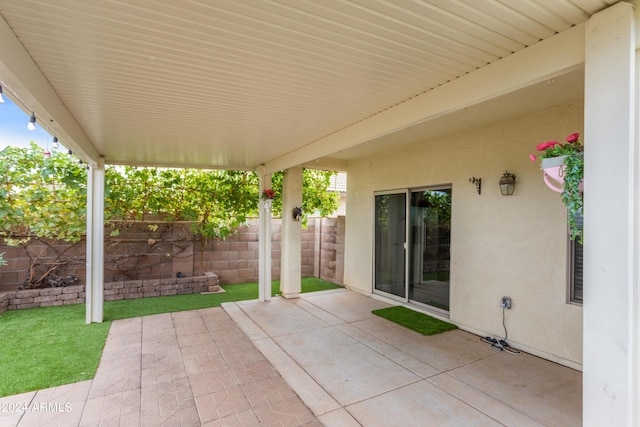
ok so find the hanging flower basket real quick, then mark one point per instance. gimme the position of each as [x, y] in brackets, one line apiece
[267, 196]
[554, 170]
[563, 171]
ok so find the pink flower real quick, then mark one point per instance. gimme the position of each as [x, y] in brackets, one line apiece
[556, 149]
[573, 137]
[268, 194]
[543, 146]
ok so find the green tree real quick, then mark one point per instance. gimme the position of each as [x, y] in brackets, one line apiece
[44, 198]
[316, 199]
[41, 197]
[216, 202]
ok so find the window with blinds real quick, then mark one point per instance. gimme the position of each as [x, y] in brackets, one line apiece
[575, 267]
[576, 272]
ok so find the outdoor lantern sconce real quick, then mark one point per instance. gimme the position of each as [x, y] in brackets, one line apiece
[296, 214]
[507, 184]
[477, 182]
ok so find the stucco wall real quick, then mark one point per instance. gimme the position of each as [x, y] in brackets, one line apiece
[514, 246]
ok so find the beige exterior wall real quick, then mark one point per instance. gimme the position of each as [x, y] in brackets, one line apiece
[514, 246]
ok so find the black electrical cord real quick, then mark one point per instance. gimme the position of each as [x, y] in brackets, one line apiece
[504, 325]
[501, 344]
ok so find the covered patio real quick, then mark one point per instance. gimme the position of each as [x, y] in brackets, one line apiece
[322, 359]
[403, 96]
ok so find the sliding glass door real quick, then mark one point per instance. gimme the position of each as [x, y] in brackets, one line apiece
[412, 245]
[430, 244]
[390, 244]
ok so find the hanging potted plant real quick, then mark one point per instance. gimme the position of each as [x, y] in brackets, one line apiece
[268, 196]
[563, 171]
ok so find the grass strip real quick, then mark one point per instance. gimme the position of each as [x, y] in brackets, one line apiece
[416, 321]
[124, 309]
[50, 346]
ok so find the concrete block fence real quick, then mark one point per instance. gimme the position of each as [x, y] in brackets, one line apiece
[167, 250]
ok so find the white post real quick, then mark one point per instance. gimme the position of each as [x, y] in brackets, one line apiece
[264, 238]
[95, 243]
[291, 246]
[611, 220]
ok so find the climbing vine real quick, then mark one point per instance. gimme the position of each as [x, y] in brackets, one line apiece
[43, 199]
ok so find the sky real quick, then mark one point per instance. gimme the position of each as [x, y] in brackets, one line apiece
[13, 128]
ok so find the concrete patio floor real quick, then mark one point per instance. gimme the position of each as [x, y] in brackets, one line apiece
[322, 359]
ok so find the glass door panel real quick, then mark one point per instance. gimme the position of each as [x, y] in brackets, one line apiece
[390, 241]
[430, 237]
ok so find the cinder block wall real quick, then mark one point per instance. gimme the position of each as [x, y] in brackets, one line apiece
[329, 249]
[169, 249]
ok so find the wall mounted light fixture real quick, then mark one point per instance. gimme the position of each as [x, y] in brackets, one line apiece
[1, 97]
[296, 214]
[55, 144]
[477, 182]
[507, 184]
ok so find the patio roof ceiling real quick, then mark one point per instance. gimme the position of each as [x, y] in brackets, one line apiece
[237, 84]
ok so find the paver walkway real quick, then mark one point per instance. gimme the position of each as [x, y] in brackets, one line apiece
[188, 368]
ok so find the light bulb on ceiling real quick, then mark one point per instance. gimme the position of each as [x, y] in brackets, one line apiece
[1, 97]
[32, 122]
[55, 143]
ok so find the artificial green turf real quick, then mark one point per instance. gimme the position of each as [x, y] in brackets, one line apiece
[419, 322]
[49, 346]
[123, 309]
[309, 284]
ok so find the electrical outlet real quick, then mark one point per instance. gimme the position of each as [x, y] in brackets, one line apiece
[506, 303]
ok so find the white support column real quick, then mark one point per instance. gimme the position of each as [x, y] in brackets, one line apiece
[264, 238]
[95, 243]
[611, 219]
[291, 246]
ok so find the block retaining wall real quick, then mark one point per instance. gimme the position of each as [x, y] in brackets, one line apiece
[130, 289]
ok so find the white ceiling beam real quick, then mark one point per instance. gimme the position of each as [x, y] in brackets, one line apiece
[549, 58]
[327, 164]
[31, 91]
